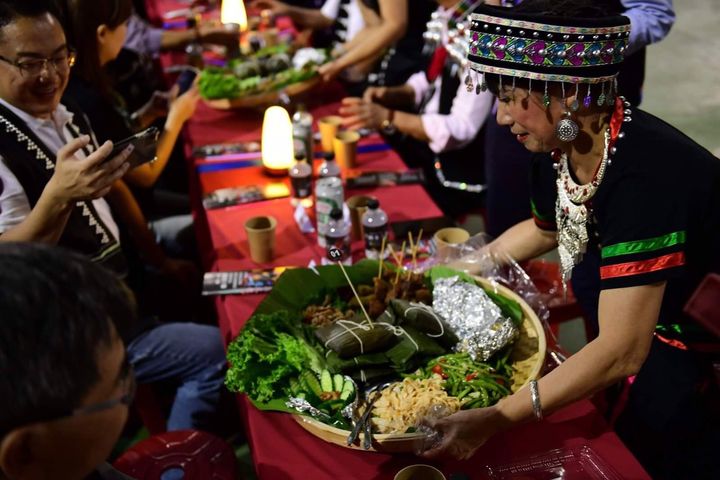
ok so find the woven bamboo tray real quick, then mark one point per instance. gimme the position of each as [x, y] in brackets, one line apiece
[528, 357]
[264, 99]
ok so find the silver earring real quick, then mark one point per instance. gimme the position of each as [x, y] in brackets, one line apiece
[567, 129]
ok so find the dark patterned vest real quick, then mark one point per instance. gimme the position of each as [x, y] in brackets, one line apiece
[32, 163]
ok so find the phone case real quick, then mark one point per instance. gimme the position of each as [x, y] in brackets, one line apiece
[145, 144]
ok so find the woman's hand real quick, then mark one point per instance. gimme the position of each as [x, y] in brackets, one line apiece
[462, 433]
[359, 113]
[182, 107]
[375, 94]
[155, 108]
[329, 70]
[218, 35]
[277, 7]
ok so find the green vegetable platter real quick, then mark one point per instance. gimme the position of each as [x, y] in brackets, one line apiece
[309, 350]
[258, 80]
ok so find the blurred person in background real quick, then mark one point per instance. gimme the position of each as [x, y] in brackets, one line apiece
[434, 122]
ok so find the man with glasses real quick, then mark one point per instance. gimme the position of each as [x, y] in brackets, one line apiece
[52, 182]
[66, 381]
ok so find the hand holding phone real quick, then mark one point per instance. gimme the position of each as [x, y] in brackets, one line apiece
[145, 146]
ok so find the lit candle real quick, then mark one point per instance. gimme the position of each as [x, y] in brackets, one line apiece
[277, 141]
[233, 12]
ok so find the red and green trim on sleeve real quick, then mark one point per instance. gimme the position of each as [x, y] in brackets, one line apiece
[543, 221]
[648, 259]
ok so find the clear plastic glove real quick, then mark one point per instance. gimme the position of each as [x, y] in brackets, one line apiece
[432, 437]
[462, 433]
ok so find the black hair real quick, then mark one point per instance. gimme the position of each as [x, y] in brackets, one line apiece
[81, 19]
[556, 9]
[58, 311]
[11, 10]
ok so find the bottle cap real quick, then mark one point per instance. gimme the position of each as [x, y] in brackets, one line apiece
[336, 214]
[373, 204]
[299, 157]
[329, 156]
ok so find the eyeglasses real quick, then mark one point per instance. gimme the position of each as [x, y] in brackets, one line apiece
[127, 374]
[34, 68]
[129, 387]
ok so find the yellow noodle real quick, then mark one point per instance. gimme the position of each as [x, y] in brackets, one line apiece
[402, 405]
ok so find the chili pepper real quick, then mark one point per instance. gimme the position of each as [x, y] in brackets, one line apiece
[439, 370]
[471, 376]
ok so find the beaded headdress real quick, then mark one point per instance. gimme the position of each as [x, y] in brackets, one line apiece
[549, 49]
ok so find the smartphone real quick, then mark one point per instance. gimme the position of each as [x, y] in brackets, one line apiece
[145, 144]
[186, 79]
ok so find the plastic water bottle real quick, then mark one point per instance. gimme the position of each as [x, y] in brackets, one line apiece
[375, 226]
[194, 50]
[302, 121]
[338, 236]
[329, 167]
[301, 181]
[329, 195]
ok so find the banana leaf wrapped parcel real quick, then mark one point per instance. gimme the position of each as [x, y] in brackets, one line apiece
[423, 318]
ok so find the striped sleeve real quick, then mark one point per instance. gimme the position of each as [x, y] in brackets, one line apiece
[644, 261]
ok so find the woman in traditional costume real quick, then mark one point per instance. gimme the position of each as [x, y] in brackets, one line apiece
[632, 205]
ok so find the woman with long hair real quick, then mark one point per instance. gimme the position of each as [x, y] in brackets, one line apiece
[96, 30]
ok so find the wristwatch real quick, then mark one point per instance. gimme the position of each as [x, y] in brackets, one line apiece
[387, 125]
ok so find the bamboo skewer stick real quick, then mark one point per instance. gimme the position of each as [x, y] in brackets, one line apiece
[335, 253]
[414, 253]
[398, 260]
[382, 256]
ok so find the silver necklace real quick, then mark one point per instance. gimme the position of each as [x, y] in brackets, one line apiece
[571, 213]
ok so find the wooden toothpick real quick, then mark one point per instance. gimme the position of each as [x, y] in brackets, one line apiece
[414, 253]
[398, 260]
[337, 255]
[382, 256]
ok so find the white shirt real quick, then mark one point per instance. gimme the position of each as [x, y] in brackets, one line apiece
[467, 114]
[54, 133]
[355, 20]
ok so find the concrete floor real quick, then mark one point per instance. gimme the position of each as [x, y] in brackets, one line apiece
[682, 81]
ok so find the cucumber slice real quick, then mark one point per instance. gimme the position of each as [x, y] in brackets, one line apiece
[312, 383]
[347, 390]
[295, 387]
[326, 381]
[338, 382]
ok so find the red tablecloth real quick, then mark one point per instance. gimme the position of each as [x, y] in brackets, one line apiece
[281, 449]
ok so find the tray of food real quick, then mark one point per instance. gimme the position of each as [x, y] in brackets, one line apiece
[360, 367]
[260, 79]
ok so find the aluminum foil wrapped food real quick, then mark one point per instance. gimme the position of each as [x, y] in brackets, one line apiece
[474, 317]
